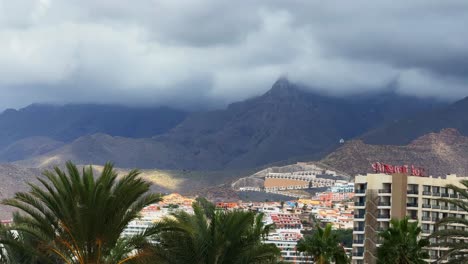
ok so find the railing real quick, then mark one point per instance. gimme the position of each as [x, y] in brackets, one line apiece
[443, 207]
[358, 228]
[358, 254]
[453, 208]
[359, 241]
[435, 219]
[413, 217]
[444, 195]
[384, 203]
[359, 216]
[359, 204]
[412, 192]
[385, 191]
[453, 195]
[427, 193]
[412, 205]
[360, 191]
[426, 206]
[426, 218]
[436, 194]
[435, 206]
[426, 231]
[385, 216]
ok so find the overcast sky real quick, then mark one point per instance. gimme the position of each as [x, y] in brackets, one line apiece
[213, 52]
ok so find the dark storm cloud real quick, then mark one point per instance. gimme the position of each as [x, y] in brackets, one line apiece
[213, 52]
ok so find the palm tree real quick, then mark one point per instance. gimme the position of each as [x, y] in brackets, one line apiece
[449, 237]
[78, 218]
[401, 244]
[211, 236]
[324, 246]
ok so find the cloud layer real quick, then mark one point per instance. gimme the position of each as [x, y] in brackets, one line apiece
[212, 52]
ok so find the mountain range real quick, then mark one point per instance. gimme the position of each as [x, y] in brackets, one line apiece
[202, 150]
[287, 123]
[412, 126]
[64, 123]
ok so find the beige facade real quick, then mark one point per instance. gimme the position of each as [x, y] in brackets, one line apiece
[295, 181]
[278, 183]
[380, 197]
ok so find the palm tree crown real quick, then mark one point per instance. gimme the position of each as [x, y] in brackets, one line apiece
[78, 218]
[401, 244]
[448, 236]
[323, 246]
[211, 236]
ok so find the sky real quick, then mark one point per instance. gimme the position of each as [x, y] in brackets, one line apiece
[209, 53]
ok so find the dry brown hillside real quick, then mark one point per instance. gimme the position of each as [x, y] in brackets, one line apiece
[439, 153]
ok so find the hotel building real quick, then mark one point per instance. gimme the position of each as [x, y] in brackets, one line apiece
[381, 197]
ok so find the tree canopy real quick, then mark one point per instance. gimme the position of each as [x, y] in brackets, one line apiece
[78, 218]
[401, 244]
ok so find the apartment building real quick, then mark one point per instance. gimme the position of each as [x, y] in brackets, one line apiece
[286, 241]
[295, 181]
[285, 236]
[381, 197]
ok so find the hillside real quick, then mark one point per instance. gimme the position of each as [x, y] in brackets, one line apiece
[68, 122]
[29, 147]
[286, 123]
[440, 153]
[403, 131]
[209, 184]
[14, 180]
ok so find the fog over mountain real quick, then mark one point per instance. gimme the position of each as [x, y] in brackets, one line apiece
[286, 123]
[206, 54]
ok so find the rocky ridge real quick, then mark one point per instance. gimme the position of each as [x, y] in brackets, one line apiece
[442, 153]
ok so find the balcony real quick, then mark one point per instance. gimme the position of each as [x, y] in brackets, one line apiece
[360, 191]
[435, 206]
[437, 194]
[384, 204]
[453, 208]
[412, 192]
[358, 228]
[413, 217]
[435, 219]
[358, 254]
[426, 206]
[385, 191]
[412, 205]
[428, 193]
[383, 216]
[358, 241]
[426, 218]
[359, 216]
[426, 231]
[359, 204]
[443, 207]
[453, 195]
[444, 195]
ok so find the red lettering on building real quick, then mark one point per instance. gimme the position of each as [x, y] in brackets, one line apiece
[390, 169]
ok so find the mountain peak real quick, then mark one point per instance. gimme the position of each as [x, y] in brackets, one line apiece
[283, 88]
